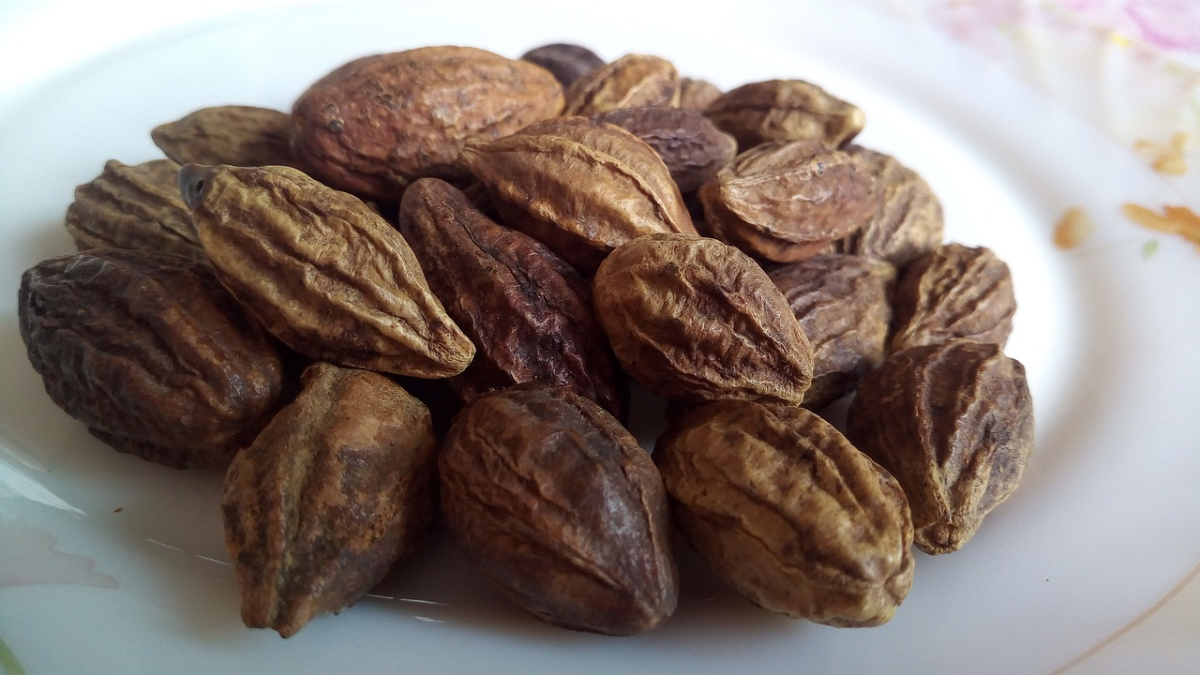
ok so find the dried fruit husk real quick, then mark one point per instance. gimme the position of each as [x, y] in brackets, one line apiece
[953, 422]
[134, 206]
[151, 353]
[568, 62]
[230, 134]
[788, 512]
[580, 186]
[843, 303]
[631, 81]
[785, 110]
[378, 123]
[692, 318]
[909, 221]
[561, 509]
[691, 146]
[528, 312]
[322, 271]
[788, 201]
[955, 291]
[335, 489]
[696, 94]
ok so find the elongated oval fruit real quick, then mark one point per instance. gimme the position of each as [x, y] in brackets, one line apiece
[335, 489]
[134, 206]
[580, 186]
[561, 509]
[240, 135]
[788, 512]
[788, 201]
[692, 318]
[631, 81]
[953, 422]
[378, 123]
[954, 291]
[785, 110]
[321, 271]
[528, 312]
[151, 353]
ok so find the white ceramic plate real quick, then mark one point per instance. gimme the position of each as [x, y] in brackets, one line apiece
[110, 564]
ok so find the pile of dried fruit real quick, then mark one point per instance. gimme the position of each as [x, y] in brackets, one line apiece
[526, 234]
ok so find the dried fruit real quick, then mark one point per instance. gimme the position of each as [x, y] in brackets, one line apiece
[843, 304]
[692, 318]
[631, 81]
[334, 490]
[955, 291]
[908, 223]
[528, 312]
[230, 134]
[691, 146]
[788, 512]
[785, 110]
[149, 351]
[567, 62]
[580, 186]
[378, 123]
[789, 201]
[561, 509]
[953, 422]
[696, 94]
[321, 271]
[134, 206]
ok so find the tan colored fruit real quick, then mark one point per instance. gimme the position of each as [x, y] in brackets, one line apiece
[230, 134]
[137, 207]
[580, 186]
[694, 319]
[785, 110]
[339, 486]
[788, 512]
[632, 81]
[322, 271]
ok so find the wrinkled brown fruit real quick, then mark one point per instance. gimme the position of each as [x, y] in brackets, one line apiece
[788, 201]
[631, 81]
[908, 223]
[580, 186]
[788, 512]
[375, 124]
[230, 134]
[785, 110]
[691, 146]
[339, 486]
[843, 303]
[955, 291]
[695, 319]
[528, 312]
[953, 422]
[321, 271]
[151, 353]
[567, 62]
[696, 94]
[134, 206]
[561, 509]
